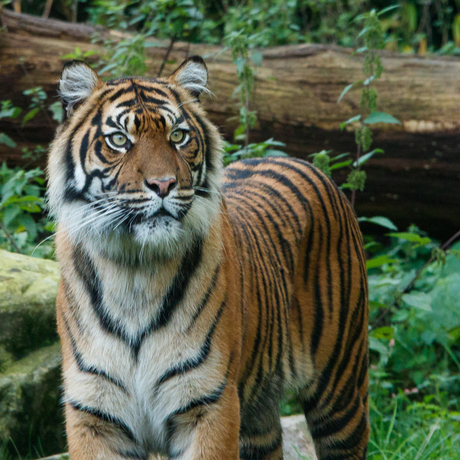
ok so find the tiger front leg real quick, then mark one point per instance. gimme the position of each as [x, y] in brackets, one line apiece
[91, 436]
[208, 429]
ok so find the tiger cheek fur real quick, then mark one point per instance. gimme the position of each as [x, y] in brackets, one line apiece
[190, 299]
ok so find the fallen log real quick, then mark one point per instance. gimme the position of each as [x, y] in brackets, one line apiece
[417, 180]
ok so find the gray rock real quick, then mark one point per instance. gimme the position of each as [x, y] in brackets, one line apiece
[297, 441]
[30, 413]
[30, 358]
[28, 289]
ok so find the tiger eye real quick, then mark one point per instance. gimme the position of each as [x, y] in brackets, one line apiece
[177, 135]
[119, 139]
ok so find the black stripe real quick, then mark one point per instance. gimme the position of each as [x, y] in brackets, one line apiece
[83, 367]
[265, 193]
[332, 426]
[318, 306]
[285, 245]
[253, 452]
[354, 438]
[193, 363]
[104, 417]
[253, 281]
[206, 400]
[152, 89]
[205, 299]
[120, 92]
[176, 292]
[132, 454]
[151, 100]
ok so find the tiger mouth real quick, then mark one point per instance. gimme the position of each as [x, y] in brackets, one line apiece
[142, 217]
[162, 212]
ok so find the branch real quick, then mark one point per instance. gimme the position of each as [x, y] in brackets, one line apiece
[8, 235]
[166, 56]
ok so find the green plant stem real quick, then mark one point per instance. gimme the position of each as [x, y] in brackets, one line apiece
[8, 235]
[444, 247]
[41, 106]
[246, 141]
[171, 44]
[353, 192]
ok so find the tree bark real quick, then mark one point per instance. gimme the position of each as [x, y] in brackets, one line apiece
[417, 180]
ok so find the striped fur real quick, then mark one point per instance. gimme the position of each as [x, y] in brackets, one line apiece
[184, 317]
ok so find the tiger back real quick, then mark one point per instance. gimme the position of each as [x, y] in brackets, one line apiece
[190, 299]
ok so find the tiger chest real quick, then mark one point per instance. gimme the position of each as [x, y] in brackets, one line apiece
[136, 369]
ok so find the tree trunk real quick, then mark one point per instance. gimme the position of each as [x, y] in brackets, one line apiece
[297, 87]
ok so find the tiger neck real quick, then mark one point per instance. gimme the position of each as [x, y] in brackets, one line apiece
[132, 297]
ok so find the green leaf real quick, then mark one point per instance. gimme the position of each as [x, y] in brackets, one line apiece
[150, 44]
[360, 50]
[342, 164]
[350, 120]
[388, 8]
[379, 220]
[411, 237]
[10, 213]
[379, 347]
[28, 116]
[13, 112]
[385, 332]
[240, 63]
[381, 117]
[418, 300]
[275, 153]
[363, 31]
[108, 67]
[368, 80]
[256, 58]
[337, 157]
[345, 91]
[4, 139]
[375, 305]
[69, 56]
[379, 261]
[366, 157]
[56, 109]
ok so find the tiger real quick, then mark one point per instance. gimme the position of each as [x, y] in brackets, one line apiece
[192, 296]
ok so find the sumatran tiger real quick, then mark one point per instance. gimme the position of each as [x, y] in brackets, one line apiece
[192, 296]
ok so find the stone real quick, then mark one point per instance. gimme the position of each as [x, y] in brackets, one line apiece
[297, 441]
[28, 289]
[30, 358]
[30, 393]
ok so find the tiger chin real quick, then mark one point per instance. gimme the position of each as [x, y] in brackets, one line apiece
[191, 297]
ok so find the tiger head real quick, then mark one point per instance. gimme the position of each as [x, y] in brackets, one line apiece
[135, 165]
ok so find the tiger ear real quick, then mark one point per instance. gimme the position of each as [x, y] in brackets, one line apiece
[192, 74]
[78, 81]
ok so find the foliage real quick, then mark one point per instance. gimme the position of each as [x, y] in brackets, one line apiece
[21, 200]
[240, 44]
[416, 26]
[234, 152]
[406, 425]
[22, 219]
[422, 331]
[369, 40]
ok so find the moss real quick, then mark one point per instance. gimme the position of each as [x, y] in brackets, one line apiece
[30, 412]
[28, 289]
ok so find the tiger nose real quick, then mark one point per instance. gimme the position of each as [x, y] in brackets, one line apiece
[161, 187]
